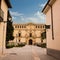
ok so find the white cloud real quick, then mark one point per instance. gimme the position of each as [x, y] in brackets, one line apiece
[40, 15]
[42, 5]
[15, 13]
[14, 17]
[37, 17]
[31, 18]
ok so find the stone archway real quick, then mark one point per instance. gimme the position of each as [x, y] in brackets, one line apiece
[30, 41]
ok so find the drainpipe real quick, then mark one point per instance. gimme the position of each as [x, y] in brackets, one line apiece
[0, 3]
[52, 21]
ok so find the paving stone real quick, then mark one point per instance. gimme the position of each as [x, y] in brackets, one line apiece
[27, 52]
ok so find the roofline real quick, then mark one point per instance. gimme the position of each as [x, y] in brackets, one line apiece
[46, 5]
[8, 3]
[27, 24]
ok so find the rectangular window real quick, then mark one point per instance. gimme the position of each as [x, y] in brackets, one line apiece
[19, 40]
[30, 34]
[36, 26]
[19, 34]
[15, 26]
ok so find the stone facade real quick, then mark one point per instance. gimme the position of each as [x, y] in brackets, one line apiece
[4, 5]
[29, 33]
[52, 11]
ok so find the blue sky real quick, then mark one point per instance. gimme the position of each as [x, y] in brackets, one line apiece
[25, 11]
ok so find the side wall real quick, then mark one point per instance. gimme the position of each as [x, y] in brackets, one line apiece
[3, 26]
[53, 46]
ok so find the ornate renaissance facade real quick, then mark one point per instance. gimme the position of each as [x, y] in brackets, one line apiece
[29, 33]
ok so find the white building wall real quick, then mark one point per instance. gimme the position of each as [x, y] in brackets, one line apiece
[3, 25]
[54, 44]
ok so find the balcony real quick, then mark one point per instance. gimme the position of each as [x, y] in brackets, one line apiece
[1, 15]
[47, 26]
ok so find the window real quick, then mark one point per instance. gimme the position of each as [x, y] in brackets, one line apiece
[15, 26]
[41, 26]
[47, 26]
[22, 26]
[36, 26]
[18, 26]
[30, 34]
[19, 40]
[19, 34]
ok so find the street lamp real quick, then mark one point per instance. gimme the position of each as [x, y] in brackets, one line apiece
[10, 18]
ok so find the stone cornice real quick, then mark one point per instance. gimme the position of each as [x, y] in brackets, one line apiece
[47, 7]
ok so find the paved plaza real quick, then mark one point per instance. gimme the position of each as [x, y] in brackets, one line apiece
[27, 52]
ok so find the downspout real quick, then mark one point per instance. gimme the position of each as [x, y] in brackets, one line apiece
[52, 21]
[0, 4]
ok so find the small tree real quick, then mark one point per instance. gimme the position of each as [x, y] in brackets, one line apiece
[43, 36]
[9, 33]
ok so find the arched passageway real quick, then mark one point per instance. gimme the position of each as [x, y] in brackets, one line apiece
[30, 42]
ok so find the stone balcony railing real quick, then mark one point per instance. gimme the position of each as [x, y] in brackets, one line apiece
[1, 15]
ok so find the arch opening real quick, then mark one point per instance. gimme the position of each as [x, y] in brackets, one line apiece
[30, 42]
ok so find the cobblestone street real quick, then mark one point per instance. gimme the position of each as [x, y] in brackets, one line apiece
[26, 53]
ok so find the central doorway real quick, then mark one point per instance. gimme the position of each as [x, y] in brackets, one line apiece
[30, 42]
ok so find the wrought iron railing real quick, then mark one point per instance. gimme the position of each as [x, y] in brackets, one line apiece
[1, 15]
